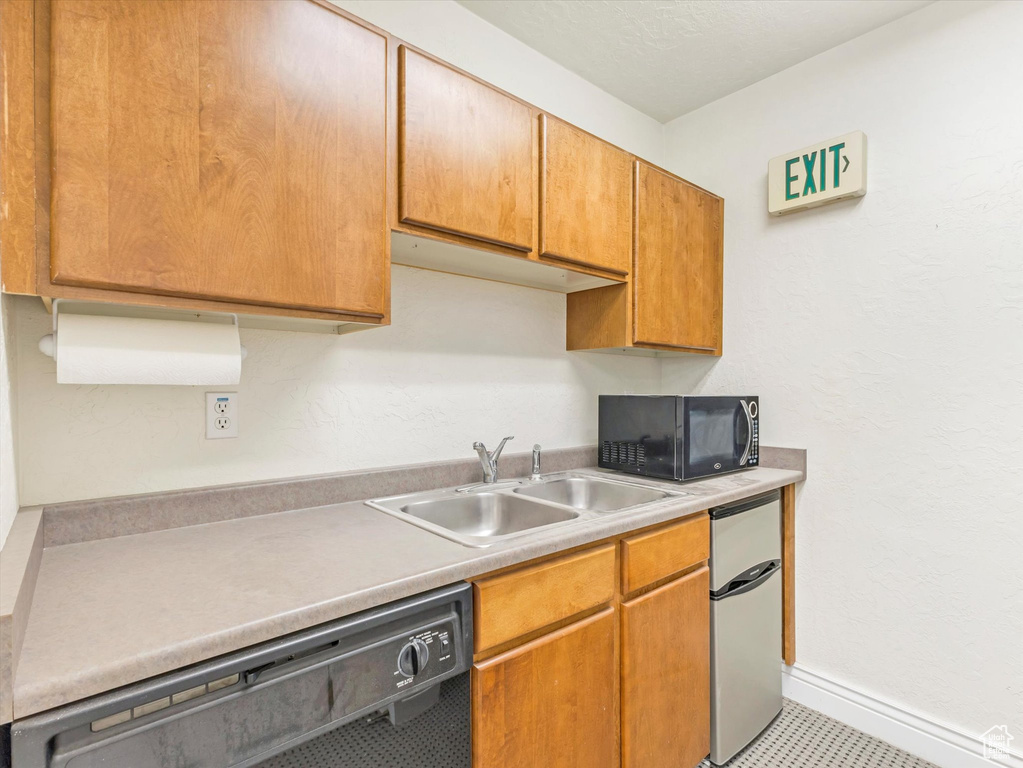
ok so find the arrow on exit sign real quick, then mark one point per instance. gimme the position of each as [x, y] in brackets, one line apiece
[830, 170]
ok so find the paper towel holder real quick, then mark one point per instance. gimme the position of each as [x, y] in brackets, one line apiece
[48, 343]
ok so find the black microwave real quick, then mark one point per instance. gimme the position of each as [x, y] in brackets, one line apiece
[678, 437]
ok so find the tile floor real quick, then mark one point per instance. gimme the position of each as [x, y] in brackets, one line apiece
[803, 738]
[798, 738]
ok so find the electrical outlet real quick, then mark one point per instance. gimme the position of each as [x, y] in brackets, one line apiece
[221, 415]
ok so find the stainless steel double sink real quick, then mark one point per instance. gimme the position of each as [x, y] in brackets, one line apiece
[482, 515]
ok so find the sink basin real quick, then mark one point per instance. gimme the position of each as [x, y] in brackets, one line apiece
[484, 514]
[476, 519]
[591, 494]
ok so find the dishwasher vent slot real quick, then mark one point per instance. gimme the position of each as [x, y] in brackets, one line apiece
[621, 452]
[156, 705]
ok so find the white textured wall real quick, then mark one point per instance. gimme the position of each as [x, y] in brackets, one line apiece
[8, 373]
[463, 360]
[885, 336]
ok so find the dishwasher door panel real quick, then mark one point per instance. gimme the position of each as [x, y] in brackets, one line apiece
[437, 738]
[231, 729]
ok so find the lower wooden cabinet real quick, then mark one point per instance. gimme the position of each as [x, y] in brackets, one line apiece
[550, 702]
[610, 668]
[514, 605]
[666, 675]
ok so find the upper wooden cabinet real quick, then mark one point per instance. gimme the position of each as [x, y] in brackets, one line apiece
[465, 155]
[585, 199]
[674, 300]
[229, 151]
[256, 157]
[678, 267]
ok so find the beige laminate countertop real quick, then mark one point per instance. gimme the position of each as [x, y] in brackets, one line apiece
[110, 612]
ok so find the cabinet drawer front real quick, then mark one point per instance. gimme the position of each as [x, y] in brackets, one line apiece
[465, 155]
[666, 675]
[585, 199]
[551, 702]
[238, 154]
[514, 604]
[650, 557]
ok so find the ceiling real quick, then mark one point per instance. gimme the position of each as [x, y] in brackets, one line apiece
[669, 57]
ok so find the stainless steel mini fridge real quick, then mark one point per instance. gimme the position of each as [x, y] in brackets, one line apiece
[745, 620]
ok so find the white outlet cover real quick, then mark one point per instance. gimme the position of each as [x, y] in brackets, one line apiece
[221, 415]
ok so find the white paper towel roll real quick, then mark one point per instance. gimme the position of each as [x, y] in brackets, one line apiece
[91, 349]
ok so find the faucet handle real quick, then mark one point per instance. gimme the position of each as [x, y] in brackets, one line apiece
[489, 458]
[536, 462]
[496, 453]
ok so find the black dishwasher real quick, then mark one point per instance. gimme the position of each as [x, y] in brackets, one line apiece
[387, 688]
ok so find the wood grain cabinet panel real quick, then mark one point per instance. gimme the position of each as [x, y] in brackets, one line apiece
[585, 199]
[673, 302]
[465, 155]
[220, 150]
[666, 675]
[17, 146]
[677, 277]
[550, 702]
[649, 557]
[514, 604]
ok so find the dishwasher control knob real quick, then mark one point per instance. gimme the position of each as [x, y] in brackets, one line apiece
[413, 658]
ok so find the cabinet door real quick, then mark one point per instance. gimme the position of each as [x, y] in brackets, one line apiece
[465, 158]
[678, 263]
[550, 702]
[585, 199]
[231, 151]
[666, 675]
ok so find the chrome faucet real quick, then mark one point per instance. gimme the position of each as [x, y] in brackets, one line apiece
[489, 459]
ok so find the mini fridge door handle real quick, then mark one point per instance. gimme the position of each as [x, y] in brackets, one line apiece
[747, 581]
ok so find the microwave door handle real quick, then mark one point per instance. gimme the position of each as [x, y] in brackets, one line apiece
[749, 433]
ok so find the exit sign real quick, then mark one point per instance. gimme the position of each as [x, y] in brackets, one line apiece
[830, 170]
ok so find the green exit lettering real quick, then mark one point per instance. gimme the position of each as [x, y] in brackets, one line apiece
[815, 163]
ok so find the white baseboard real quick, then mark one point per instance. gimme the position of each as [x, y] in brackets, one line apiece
[934, 741]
